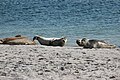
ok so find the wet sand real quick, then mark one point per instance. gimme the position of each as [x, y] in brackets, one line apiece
[36, 62]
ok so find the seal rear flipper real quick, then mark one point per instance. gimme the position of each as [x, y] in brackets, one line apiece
[109, 46]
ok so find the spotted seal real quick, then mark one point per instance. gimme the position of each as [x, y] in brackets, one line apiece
[93, 43]
[50, 41]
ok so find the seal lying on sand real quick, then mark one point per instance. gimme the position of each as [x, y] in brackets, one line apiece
[86, 43]
[50, 41]
[17, 40]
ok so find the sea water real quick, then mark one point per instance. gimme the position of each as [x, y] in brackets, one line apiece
[75, 19]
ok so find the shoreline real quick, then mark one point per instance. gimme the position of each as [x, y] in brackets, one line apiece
[36, 62]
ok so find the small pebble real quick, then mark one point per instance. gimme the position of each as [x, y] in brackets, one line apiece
[83, 52]
[112, 77]
[109, 60]
[62, 68]
[47, 71]
[3, 74]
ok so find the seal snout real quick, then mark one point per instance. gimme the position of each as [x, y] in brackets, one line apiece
[64, 39]
[35, 37]
[78, 41]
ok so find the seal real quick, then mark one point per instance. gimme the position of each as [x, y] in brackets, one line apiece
[51, 41]
[17, 40]
[93, 43]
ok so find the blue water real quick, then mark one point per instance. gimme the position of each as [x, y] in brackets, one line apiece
[94, 19]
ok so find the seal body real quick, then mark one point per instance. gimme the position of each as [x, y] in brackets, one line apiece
[93, 43]
[17, 40]
[50, 41]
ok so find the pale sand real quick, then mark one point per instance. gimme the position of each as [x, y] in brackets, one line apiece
[58, 63]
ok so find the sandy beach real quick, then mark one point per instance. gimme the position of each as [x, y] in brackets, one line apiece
[21, 62]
